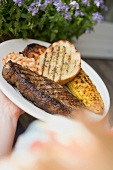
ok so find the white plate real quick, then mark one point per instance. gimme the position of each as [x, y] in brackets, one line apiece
[18, 45]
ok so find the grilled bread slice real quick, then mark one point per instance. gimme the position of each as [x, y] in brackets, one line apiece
[60, 62]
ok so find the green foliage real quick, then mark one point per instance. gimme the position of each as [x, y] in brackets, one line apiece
[48, 25]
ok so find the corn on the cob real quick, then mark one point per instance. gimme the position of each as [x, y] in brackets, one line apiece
[83, 88]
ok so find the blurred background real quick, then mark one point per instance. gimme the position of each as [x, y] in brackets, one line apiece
[109, 14]
[97, 50]
[100, 41]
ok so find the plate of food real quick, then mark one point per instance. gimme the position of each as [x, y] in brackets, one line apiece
[45, 79]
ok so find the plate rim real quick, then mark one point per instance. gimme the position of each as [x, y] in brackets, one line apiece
[48, 115]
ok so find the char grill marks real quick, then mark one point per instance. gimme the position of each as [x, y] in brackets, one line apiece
[57, 63]
[41, 91]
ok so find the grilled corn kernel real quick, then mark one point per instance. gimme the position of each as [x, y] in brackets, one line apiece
[83, 88]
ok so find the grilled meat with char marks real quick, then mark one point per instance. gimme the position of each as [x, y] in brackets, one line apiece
[41, 91]
[33, 50]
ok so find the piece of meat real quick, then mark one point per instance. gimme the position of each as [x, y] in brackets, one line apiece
[33, 50]
[44, 93]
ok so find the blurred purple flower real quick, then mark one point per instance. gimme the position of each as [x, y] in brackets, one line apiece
[98, 2]
[61, 7]
[78, 13]
[42, 7]
[97, 17]
[87, 2]
[18, 2]
[84, 1]
[74, 3]
[33, 8]
[56, 2]
[29, 9]
[102, 6]
[47, 2]
[67, 16]
[81, 13]
[34, 11]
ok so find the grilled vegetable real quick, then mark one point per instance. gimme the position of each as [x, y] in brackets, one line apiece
[83, 88]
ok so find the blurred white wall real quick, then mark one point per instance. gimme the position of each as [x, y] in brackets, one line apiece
[98, 44]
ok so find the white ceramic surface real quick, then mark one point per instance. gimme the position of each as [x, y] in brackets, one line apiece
[18, 45]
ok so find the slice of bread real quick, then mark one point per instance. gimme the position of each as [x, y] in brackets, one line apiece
[60, 62]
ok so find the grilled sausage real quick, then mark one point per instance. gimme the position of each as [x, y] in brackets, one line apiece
[33, 50]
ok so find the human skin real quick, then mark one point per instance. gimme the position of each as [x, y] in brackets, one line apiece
[62, 145]
[79, 145]
[9, 114]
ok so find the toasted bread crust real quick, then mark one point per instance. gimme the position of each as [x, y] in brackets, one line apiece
[60, 62]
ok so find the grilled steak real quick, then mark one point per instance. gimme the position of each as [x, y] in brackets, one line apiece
[33, 50]
[42, 92]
